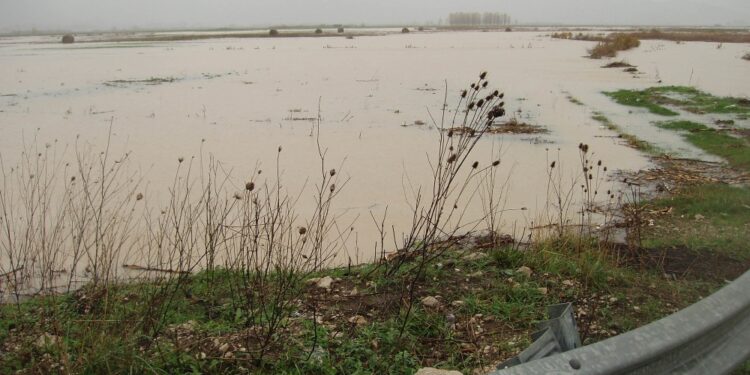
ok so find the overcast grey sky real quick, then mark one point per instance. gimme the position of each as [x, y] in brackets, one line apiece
[123, 14]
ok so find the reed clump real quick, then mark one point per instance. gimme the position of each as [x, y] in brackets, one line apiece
[613, 44]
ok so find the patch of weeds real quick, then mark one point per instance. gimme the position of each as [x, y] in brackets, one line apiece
[150, 81]
[735, 150]
[635, 98]
[688, 98]
[612, 44]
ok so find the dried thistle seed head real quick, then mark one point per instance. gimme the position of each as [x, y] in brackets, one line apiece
[482, 75]
[452, 158]
[180, 159]
[333, 187]
[463, 93]
[279, 148]
[450, 133]
[591, 177]
[139, 196]
[471, 105]
[605, 169]
[250, 186]
[237, 196]
[480, 103]
[72, 178]
[599, 163]
[502, 95]
[585, 169]
[495, 93]
[302, 230]
[475, 165]
[472, 85]
[332, 172]
[496, 163]
[552, 165]
[485, 83]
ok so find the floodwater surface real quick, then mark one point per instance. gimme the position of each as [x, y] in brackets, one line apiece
[379, 99]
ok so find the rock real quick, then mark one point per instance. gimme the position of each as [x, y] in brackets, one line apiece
[325, 283]
[46, 340]
[434, 371]
[430, 301]
[458, 303]
[358, 320]
[474, 256]
[542, 291]
[476, 274]
[699, 217]
[450, 318]
[612, 300]
[354, 291]
[68, 39]
[526, 271]
[568, 283]
[224, 348]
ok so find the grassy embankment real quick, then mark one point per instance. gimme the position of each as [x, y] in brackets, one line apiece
[710, 217]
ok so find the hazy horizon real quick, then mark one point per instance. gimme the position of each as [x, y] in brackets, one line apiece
[82, 15]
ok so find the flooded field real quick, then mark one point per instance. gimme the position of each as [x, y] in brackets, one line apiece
[379, 99]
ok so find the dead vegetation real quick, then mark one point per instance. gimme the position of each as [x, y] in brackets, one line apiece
[613, 44]
[511, 126]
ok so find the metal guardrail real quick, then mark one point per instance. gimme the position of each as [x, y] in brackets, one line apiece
[711, 336]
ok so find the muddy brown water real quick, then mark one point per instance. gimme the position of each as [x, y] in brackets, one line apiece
[240, 99]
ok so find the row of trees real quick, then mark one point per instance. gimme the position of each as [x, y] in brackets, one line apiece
[478, 19]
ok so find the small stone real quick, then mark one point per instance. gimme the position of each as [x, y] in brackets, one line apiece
[224, 348]
[458, 303]
[430, 301]
[354, 291]
[434, 371]
[358, 320]
[46, 340]
[542, 291]
[526, 271]
[450, 318]
[612, 300]
[474, 256]
[476, 274]
[636, 308]
[568, 283]
[699, 217]
[324, 283]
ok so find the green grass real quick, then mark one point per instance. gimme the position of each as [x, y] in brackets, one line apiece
[658, 99]
[724, 226]
[644, 99]
[734, 149]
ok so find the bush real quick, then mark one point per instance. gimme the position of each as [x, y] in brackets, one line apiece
[273, 32]
[615, 43]
[746, 57]
[341, 29]
[405, 30]
[68, 38]
[318, 31]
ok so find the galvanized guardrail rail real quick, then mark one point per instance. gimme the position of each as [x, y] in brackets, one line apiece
[711, 336]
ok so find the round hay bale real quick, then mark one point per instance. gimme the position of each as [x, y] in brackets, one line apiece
[341, 29]
[318, 31]
[68, 38]
[273, 32]
[405, 30]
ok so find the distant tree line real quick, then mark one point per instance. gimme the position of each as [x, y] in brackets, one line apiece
[478, 19]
